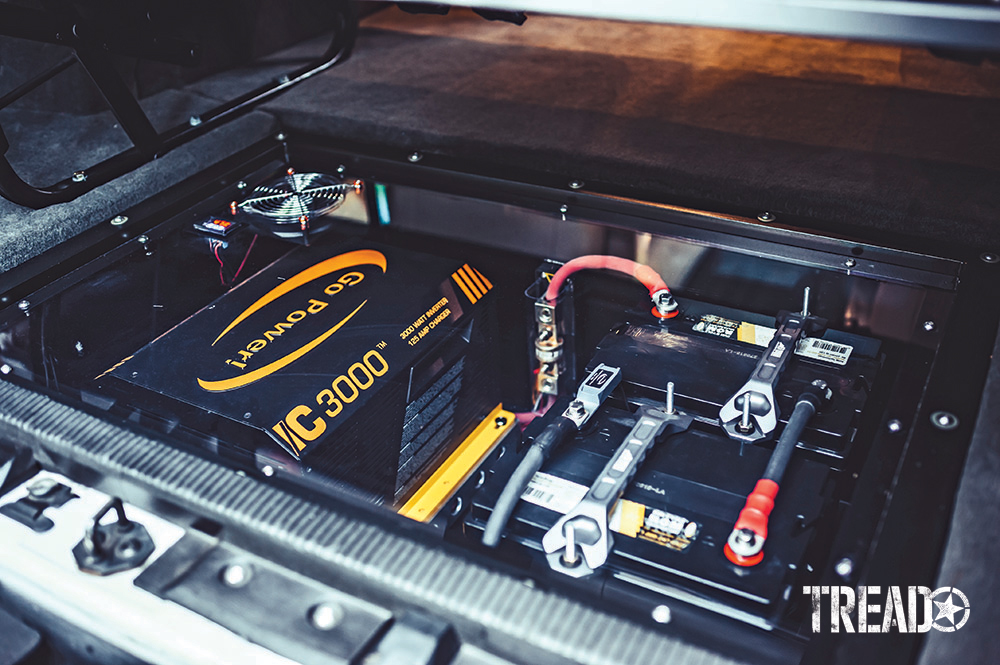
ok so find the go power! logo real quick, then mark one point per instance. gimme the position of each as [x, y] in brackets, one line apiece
[867, 609]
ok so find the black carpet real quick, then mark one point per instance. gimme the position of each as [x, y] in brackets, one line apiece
[848, 158]
[47, 147]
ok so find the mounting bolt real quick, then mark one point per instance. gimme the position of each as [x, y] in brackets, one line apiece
[326, 616]
[661, 614]
[194, 120]
[24, 305]
[944, 420]
[415, 157]
[118, 220]
[895, 426]
[766, 217]
[929, 326]
[79, 176]
[844, 567]
[990, 257]
[576, 184]
[850, 263]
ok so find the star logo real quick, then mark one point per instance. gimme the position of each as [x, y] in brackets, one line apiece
[951, 615]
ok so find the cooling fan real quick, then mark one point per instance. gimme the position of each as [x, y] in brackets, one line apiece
[293, 206]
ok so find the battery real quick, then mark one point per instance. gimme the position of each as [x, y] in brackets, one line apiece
[366, 363]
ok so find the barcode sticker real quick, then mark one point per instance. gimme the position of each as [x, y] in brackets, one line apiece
[561, 496]
[821, 349]
[553, 492]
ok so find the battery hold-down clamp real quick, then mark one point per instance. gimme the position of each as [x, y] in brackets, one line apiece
[745, 546]
[751, 414]
[580, 542]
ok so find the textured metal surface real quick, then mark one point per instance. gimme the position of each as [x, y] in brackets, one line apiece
[514, 618]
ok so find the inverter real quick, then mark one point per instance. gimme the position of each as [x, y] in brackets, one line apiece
[365, 363]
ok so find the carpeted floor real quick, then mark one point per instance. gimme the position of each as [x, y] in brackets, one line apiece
[857, 139]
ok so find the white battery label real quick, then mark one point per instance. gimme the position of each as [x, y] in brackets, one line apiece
[820, 349]
[561, 496]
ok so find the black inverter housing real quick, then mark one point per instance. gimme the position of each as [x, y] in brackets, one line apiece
[366, 363]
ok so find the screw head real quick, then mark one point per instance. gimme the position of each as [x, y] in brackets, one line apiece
[944, 420]
[23, 305]
[500, 421]
[767, 217]
[564, 209]
[194, 120]
[661, 614]
[267, 470]
[819, 383]
[79, 176]
[415, 157]
[990, 257]
[118, 220]
[895, 426]
[326, 616]
[241, 185]
[280, 136]
[850, 263]
[576, 184]
[6, 369]
[143, 239]
[929, 326]
[844, 567]
[236, 575]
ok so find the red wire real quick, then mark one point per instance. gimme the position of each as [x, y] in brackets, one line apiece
[245, 257]
[215, 250]
[649, 277]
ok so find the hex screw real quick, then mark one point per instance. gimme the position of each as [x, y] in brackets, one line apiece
[850, 263]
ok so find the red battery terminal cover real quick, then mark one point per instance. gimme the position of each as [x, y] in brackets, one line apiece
[754, 516]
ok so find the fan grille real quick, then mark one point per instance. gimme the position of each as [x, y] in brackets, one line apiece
[296, 195]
